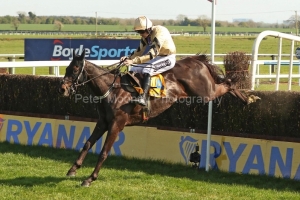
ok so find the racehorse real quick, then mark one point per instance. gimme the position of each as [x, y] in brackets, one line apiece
[191, 76]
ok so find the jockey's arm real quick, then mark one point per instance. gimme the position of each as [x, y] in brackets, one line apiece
[137, 57]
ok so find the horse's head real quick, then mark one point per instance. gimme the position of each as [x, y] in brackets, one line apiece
[74, 75]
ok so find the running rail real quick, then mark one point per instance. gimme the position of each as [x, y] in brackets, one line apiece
[55, 64]
[255, 62]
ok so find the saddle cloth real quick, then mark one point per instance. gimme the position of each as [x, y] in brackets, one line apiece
[157, 85]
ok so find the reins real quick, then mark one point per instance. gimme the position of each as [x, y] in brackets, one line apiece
[76, 84]
[118, 67]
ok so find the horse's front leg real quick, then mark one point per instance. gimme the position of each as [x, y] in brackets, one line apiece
[99, 130]
[112, 134]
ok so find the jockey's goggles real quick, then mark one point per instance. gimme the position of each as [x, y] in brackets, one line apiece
[141, 31]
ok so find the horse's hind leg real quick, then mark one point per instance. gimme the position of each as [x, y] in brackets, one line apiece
[99, 130]
[220, 89]
[215, 92]
[112, 134]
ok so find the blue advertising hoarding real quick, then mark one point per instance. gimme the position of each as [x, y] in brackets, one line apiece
[232, 154]
[62, 49]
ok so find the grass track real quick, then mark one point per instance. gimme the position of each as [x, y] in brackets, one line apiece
[107, 28]
[36, 172]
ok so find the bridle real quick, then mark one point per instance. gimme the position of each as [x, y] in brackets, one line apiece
[72, 89]
[75, 83]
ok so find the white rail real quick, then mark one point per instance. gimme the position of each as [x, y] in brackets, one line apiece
[275, 62]
[17, 55]
[55, 64]
[11, 57]
[255, 62]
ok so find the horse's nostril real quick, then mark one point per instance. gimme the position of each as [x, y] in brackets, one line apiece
[61, 90]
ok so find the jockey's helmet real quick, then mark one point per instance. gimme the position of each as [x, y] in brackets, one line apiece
[142, 23]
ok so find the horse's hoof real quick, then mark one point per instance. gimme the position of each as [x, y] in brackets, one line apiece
[71, 174]
[85, 183]
[252, 98]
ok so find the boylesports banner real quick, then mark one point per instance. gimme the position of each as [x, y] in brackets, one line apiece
[62, 49]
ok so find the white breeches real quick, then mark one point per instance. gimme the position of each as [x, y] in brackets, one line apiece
[155, 66]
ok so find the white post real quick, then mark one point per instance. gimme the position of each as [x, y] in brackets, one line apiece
[12, 69]
[299, 73]
[257, 72]
[14, 60]
[291, 66]
[210, 103]
[96, 26]
[278, 63]
[296, 23]
[56, 71]
[270, 71]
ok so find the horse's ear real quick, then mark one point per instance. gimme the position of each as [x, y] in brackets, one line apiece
[82, 54]
[74, 54]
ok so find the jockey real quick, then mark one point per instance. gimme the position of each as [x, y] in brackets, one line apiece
[160, 58]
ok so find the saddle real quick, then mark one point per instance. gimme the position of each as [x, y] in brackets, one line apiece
[131, 82]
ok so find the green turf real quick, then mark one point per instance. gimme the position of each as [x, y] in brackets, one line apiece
[37, 172]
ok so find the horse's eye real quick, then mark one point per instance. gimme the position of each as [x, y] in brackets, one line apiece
[75, 69]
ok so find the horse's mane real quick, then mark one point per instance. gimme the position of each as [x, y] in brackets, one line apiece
[107, 69]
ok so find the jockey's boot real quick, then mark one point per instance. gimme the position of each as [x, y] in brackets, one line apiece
[142, 98]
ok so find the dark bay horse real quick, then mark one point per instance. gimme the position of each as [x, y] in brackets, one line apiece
[191, 76]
